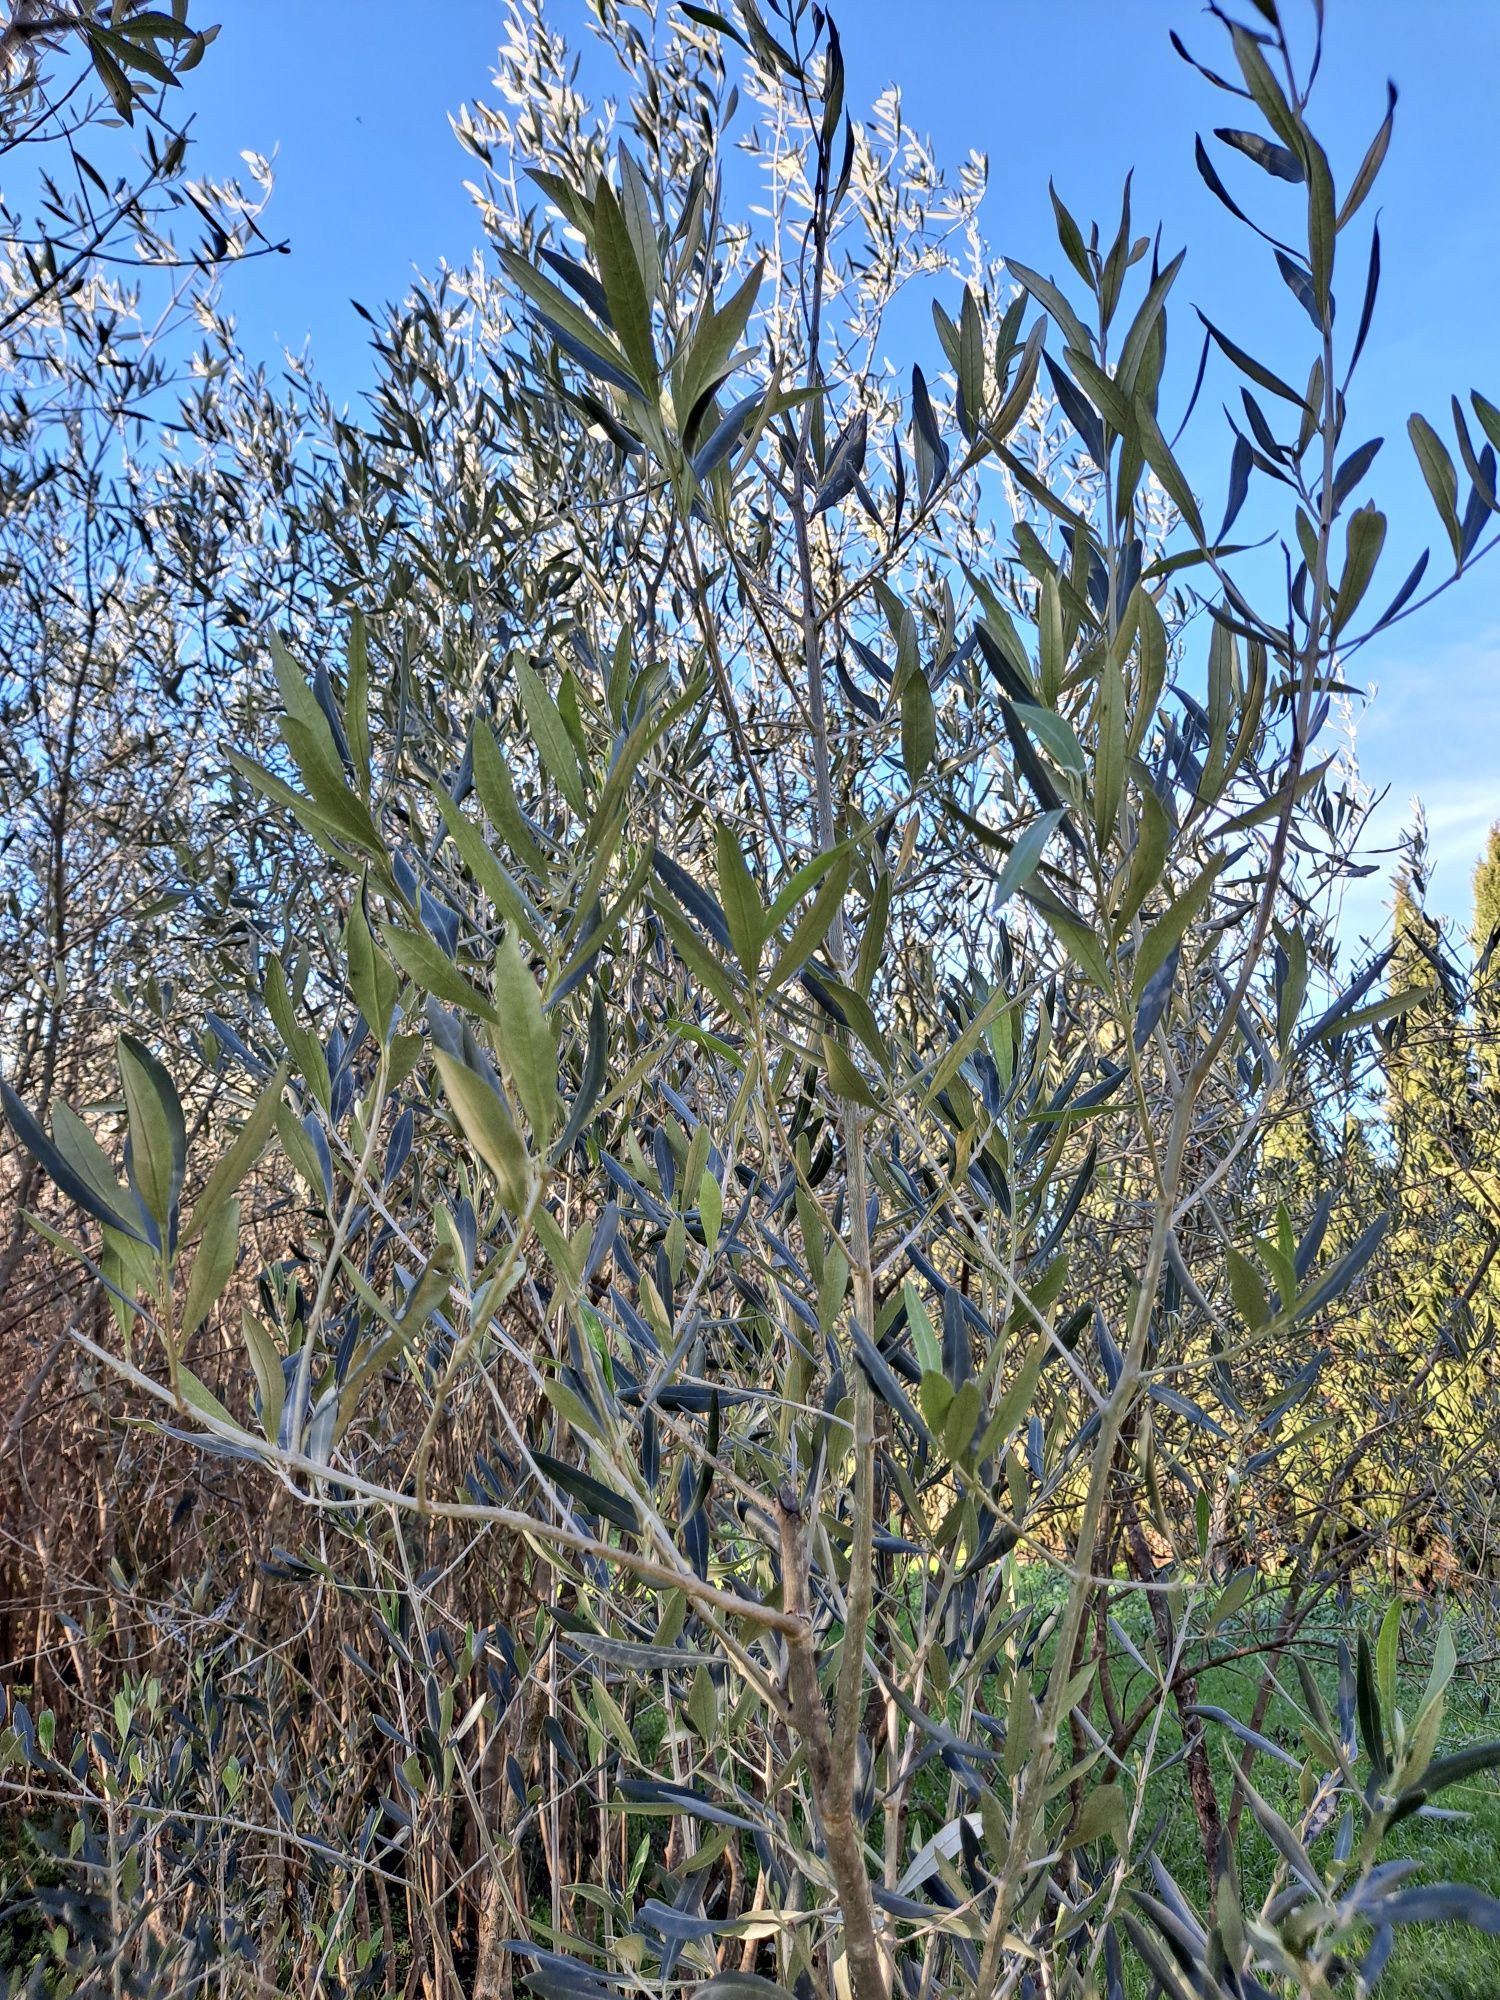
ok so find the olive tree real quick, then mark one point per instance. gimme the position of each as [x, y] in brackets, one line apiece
[774, 1073]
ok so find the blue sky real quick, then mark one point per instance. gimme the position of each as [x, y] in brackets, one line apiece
[354, 95]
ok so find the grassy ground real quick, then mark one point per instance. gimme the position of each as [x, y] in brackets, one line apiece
[1430, 1962]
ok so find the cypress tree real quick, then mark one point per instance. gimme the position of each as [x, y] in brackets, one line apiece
[1487, 892]
[1437, 1326]
[1485, 935]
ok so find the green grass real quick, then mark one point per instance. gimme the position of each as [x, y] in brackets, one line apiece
[1431, 1962]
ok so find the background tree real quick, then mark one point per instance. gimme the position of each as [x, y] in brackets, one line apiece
[1482, 934]
[103, 714]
